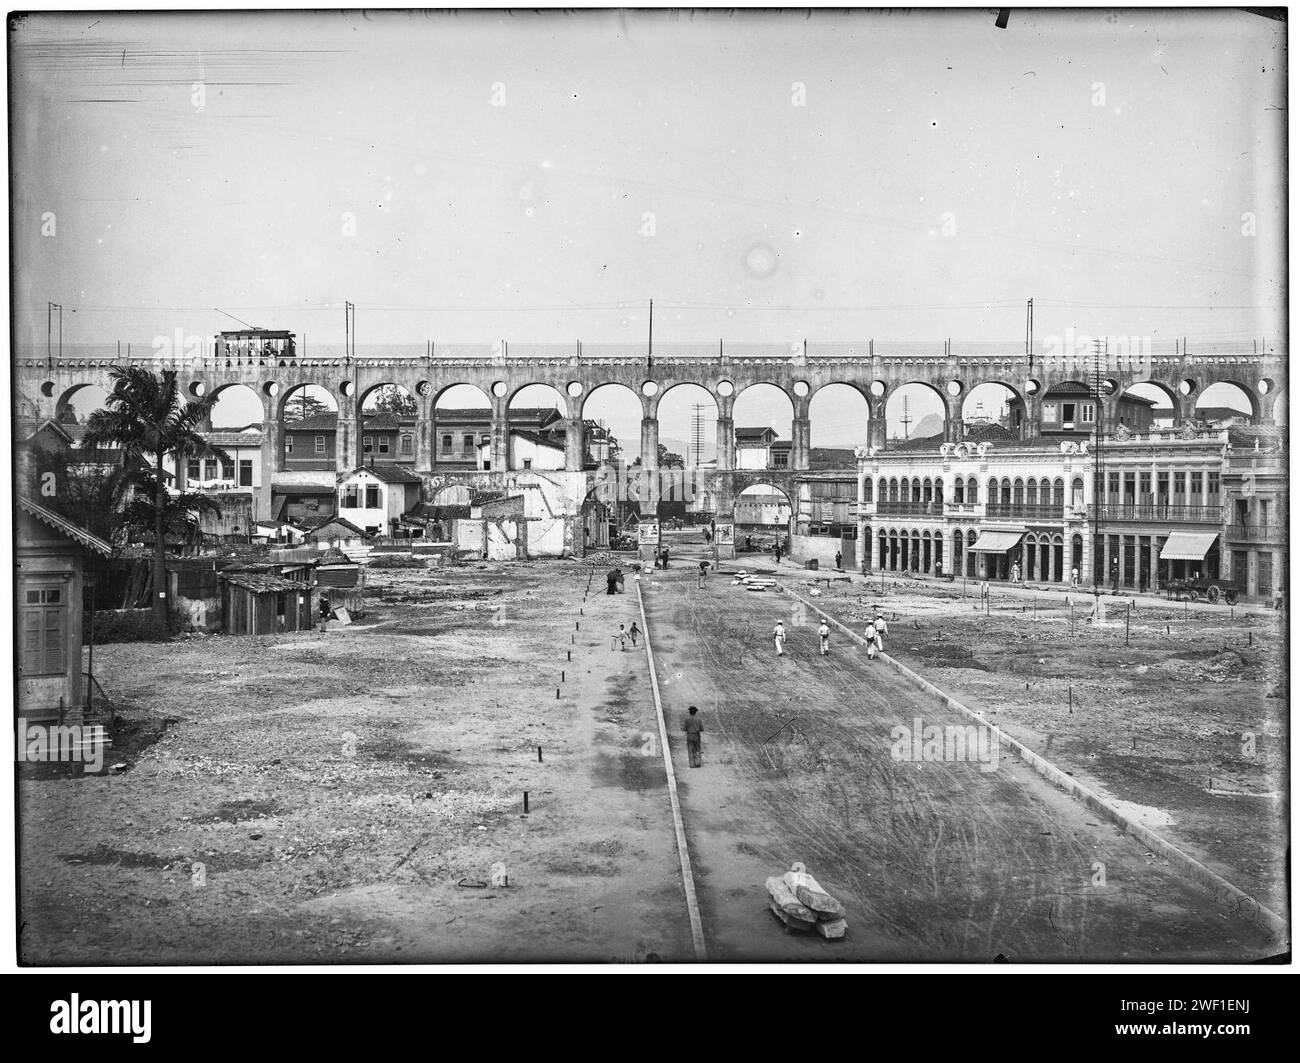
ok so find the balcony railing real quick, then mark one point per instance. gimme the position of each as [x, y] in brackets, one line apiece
[909, 509]
[1256, 533]
[1158, 512]
[1024, 511]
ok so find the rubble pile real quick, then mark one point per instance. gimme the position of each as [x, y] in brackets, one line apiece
[797, 899]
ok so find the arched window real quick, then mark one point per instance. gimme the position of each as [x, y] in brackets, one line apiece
[1018, 492]
[959, 491]
[1058, 493]
[866, 489]
[893, 490]
[1006, 491]
[993, 492]
[1031, 492]
[884, 490]
[972, 490]
[916, 490]
[1076, 490]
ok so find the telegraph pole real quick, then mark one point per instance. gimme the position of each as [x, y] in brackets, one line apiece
[49, 331]
[1098, 460]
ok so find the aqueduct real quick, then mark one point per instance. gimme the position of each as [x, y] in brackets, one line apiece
[800, 371]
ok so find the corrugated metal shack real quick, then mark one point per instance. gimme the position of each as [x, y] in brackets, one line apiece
[264, 599]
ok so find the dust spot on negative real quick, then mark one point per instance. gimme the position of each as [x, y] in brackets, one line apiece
[761, 261]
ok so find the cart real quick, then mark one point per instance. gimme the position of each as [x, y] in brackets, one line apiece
[1212, 590]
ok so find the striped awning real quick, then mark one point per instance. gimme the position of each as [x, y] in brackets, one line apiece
[1187, 546]
[997, 542]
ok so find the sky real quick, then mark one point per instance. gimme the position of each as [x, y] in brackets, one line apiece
[539, 177]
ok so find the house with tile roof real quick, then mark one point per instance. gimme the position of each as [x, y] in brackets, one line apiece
[374, 497]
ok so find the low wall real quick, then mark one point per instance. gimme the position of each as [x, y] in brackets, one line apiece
[822, 547]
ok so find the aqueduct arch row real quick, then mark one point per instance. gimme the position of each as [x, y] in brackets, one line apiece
[46, 382]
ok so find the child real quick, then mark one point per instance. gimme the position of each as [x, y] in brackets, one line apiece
[872, 638]
[778, 638]
[825, 634]
[633, 632]
[622, 637]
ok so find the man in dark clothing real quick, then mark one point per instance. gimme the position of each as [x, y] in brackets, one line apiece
[612, 580]
[665, 559]
[839, 560]
[694, 727]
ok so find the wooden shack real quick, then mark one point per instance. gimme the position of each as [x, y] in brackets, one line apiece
[50, 555]
[342, 581]
[265, 599]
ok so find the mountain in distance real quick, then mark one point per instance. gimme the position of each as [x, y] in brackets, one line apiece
[929, 425]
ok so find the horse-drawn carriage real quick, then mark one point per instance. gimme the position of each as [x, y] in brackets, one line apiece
[1212, 590]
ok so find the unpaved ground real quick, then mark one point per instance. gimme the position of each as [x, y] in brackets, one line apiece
[1185, 726]
[344, 797]
[934, 860]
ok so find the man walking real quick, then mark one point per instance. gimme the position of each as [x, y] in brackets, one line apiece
[1074, 579]
[778, 638]
[704, 571]
[694, 727]
[839, 561]
[776, 551]
[882, 629]
[824, 633]
[870, 635]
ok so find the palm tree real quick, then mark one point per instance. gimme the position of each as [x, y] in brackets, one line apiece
[145, 416]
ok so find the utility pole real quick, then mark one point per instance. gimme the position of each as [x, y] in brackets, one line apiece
[697, 429]
[1098, 461]
[49, 331]
[1029, 333]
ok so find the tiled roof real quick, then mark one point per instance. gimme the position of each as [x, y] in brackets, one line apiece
[389, 474]
[988, 433]
[1068, 387]
[234, 438]
[386, 421]
[340, 523]
[753, 433]
[321, 422]
[534, 437]
[299, 490]
[67, 527]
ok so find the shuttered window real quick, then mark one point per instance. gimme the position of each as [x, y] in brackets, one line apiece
[44, 632]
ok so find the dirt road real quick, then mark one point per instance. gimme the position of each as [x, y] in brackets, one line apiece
[345, 797]
[934, 859]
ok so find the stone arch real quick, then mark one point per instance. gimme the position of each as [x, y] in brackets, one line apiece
[1164, 397]
[1221, 393]
[456, 411]
[759, 405]
[929, 394]
[244, 391]
[331, 397]
[975, 406]
[618, 410]
[761, 511]
[844, 427]
[65, 406]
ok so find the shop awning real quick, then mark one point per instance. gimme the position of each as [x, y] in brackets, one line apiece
[997, 542]
[1187, 546]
